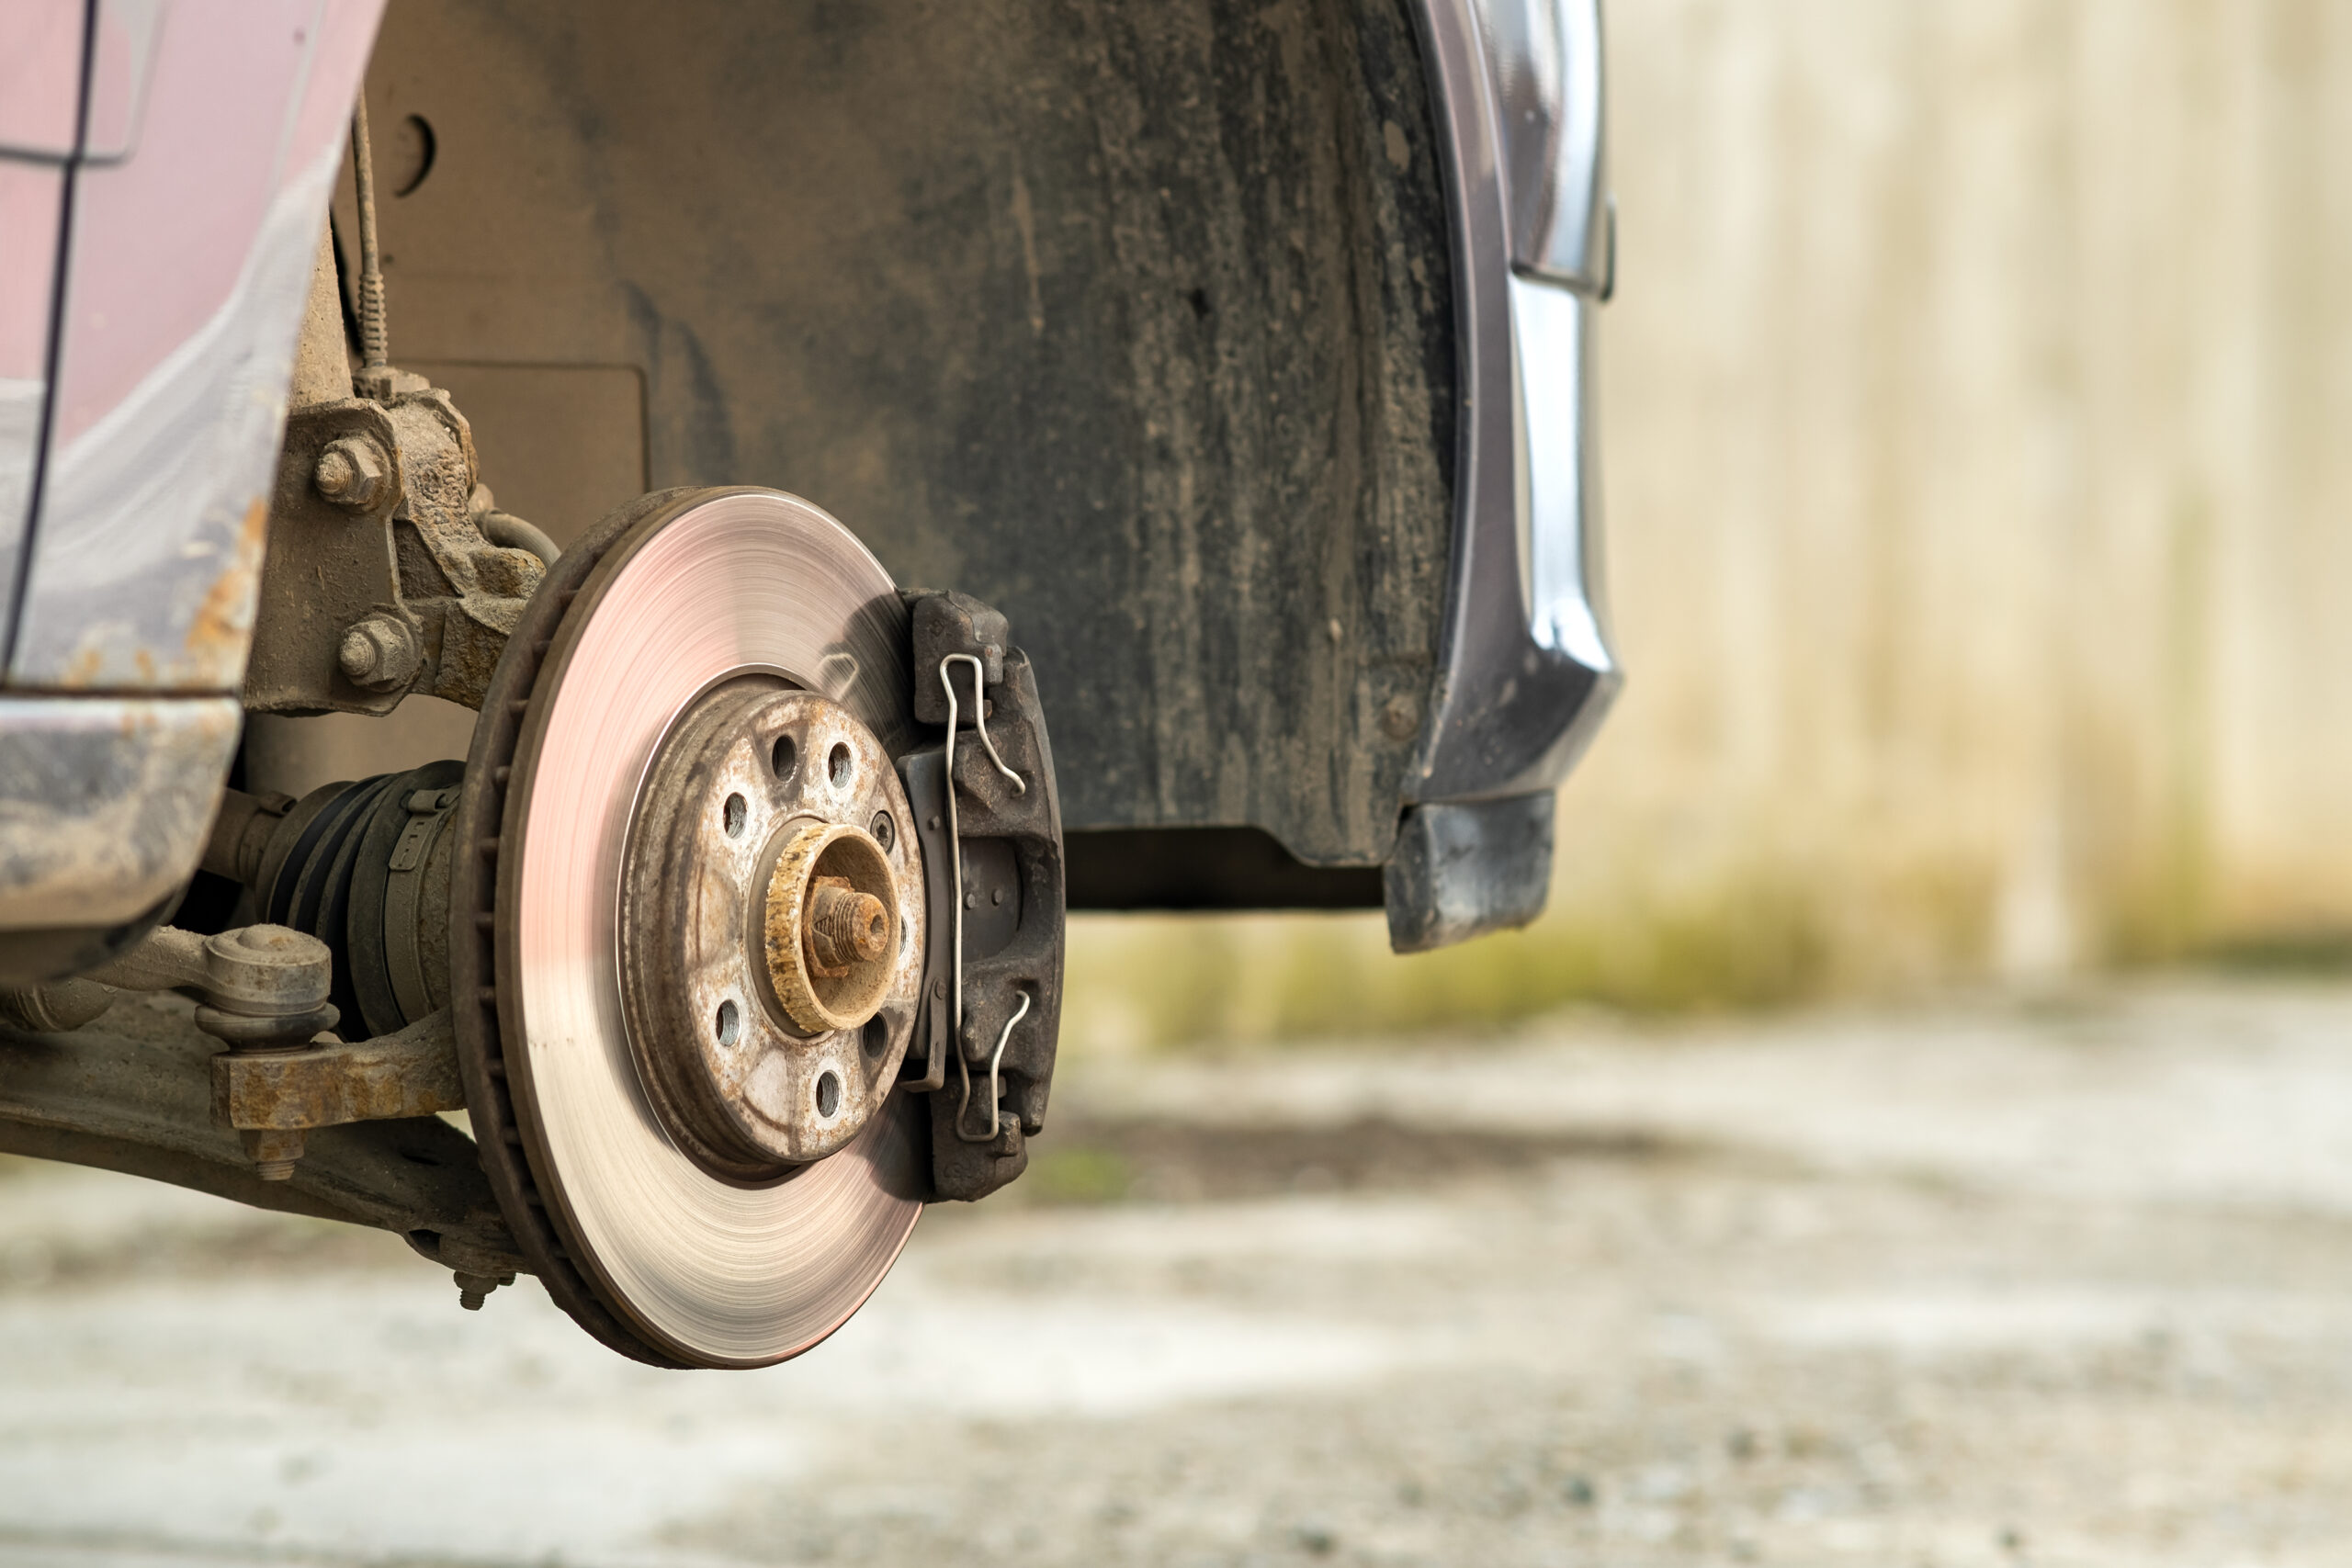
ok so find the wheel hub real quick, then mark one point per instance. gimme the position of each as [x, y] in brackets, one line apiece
[771, 929]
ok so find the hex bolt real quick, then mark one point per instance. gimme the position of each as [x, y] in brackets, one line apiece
[474, 1288]
[353, 472]
[380, 652]
[477, 1273]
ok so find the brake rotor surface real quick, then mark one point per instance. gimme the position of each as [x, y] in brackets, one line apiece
[701, 589]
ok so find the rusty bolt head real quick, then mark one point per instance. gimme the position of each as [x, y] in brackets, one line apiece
[380, 652]
[354, 472]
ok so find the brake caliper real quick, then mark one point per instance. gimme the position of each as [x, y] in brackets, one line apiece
[991, 827]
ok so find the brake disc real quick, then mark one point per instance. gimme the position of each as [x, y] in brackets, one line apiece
[689, 932]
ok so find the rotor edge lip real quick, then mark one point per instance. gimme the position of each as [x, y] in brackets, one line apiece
[479, 950]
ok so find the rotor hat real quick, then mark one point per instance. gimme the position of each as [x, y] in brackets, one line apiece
[762, 928]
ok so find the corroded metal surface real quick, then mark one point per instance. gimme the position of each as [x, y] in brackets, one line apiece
[829, 926]
[136, 1096]
[756, 1054]
[414, 1073]
[263, 989]
[382, 581]
[105, 804]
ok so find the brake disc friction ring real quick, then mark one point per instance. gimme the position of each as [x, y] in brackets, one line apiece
[695, 589]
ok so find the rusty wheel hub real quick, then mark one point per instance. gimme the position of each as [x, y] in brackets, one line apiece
[772, 930]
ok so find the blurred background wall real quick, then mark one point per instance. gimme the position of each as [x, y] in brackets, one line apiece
[1977, 402]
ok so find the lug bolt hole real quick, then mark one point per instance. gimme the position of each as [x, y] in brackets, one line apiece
[730, 1023]
[876, 1036]
[829, 1095]
[736, 812]
[883, 830]
[839, 764]
[786, 757]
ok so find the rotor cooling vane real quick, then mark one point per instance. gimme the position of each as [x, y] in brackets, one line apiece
[721, 1036]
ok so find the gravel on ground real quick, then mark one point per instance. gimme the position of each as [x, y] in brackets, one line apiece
[2062, 1282]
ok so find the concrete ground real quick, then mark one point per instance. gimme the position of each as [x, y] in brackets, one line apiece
[1993, 1285]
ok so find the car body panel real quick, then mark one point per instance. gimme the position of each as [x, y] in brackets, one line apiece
[187, 270]
[1527, 673]
[105, 803]
[32, 207]
[169, 196]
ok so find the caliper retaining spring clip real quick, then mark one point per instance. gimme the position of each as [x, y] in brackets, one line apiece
[955, 868]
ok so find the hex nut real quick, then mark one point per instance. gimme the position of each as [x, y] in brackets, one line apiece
[353, 472]
[380, 652]
[273, 1150]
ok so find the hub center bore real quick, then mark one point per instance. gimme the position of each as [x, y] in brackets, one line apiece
[771, 929]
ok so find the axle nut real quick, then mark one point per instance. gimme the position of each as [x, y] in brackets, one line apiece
[831, 922]
[381, 653]
[845, 927]
[353, 472]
